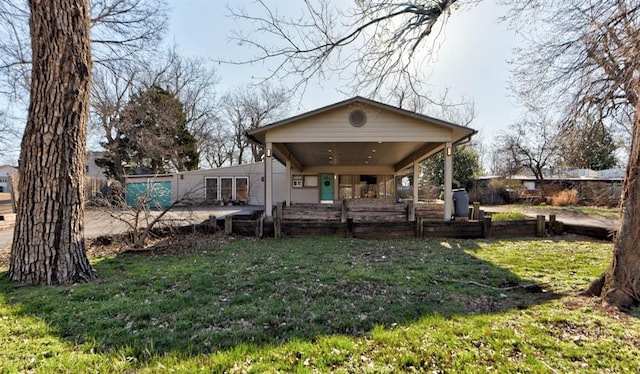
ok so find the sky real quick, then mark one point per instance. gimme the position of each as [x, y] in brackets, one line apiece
[472, 59]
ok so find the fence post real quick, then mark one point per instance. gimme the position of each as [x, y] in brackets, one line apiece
[419, 227]
[540, 226]
[486, 226]
[552, 224]
[349, 227]
[213, 223]
[476, 211]
[345, 211]
[277, 228]
[260, 228]
[228, 225]
[411, 211]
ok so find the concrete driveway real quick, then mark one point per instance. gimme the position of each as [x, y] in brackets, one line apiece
[99, 223]
[568, 217]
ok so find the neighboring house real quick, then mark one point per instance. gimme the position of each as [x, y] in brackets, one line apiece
[5, 173]
[354, 149]
[598, 187]
[91, 169]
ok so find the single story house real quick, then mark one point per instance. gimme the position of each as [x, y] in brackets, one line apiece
[240, 184]
[354, 149]
[5, 174]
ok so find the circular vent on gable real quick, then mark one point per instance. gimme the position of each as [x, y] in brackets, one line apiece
[357, 118]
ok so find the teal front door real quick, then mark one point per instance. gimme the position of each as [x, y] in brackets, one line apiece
[326, 188]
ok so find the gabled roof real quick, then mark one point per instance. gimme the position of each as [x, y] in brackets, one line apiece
[257, 135]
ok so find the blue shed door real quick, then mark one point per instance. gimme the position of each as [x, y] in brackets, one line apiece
[152, 194]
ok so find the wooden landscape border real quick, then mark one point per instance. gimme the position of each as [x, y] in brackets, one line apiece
[467, 229]
[255, 225]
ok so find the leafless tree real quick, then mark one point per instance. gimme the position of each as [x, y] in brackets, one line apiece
[580, 57]
[217, 148]
[120, 31]
[250, 107]
[531, 145]
[143, 213]
[109, 94]
[7, 134]
[585, 58]
[382, 45]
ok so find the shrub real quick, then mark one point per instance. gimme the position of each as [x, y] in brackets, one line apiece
[564, 198]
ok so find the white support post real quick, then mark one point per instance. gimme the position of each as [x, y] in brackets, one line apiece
[268, 181]
[448, 181]
[287, 182]
[416, 176]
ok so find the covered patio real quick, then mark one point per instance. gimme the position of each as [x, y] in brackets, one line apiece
[356, 150]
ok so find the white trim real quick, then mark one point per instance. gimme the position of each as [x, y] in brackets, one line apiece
[448, 181]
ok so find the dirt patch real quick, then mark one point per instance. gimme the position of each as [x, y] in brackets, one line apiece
[172, 244]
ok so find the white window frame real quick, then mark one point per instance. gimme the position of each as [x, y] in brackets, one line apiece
[234, 187]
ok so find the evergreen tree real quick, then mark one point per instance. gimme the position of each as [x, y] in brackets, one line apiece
[588, 145]
[466, 167]
[153, 137]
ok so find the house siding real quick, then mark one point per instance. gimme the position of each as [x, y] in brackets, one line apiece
[191, 184]
[334, 126]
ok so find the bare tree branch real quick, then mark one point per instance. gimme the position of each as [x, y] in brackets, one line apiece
[583, 57]
[120, 30]
[381, 44]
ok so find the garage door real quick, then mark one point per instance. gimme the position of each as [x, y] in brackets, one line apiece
[153, 194]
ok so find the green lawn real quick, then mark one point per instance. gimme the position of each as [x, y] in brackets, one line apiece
[328, 304]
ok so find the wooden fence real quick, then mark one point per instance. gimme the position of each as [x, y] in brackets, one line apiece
[92, 187]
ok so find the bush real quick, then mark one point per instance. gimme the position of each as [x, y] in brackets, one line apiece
[564, 198]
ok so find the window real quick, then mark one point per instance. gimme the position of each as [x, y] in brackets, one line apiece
[366, 187]
[311, 181]
[226, 189]
[211, 189]
[242, 189]
[297, 181]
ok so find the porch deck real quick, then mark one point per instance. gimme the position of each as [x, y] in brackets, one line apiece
[360, 210]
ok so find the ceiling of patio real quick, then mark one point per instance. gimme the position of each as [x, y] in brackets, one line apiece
[356, 153]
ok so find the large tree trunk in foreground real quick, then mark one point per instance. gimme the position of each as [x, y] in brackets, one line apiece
[620, 285]
[48, 244]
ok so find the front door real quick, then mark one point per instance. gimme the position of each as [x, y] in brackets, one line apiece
[326, 188]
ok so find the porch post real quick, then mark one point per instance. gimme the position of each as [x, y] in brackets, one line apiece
[268, 180]
[448, 181]
[416, 175]
[287, 182]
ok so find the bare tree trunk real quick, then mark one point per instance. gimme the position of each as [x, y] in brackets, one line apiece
[48, 245]
[619, 286]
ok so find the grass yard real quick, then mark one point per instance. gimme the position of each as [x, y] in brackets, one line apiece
[578, 210]
[325, 304]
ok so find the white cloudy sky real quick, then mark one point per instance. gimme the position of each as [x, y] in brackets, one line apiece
[472, 60]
